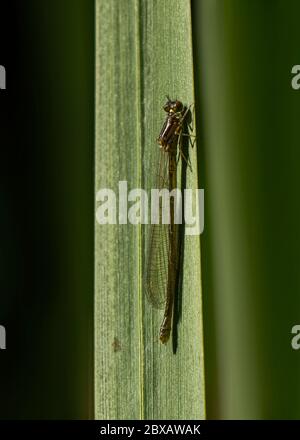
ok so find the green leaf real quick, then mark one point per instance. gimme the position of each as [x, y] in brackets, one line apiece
[143, 52]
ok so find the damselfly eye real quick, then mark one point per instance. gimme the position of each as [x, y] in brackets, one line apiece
[179, 106]
[167, 106]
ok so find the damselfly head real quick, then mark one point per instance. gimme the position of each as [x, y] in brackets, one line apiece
[173, 106]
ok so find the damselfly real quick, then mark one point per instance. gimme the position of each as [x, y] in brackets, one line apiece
[163, 249]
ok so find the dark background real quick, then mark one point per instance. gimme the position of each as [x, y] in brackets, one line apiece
[46, 206]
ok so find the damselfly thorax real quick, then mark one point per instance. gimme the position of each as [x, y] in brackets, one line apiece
[168, 136]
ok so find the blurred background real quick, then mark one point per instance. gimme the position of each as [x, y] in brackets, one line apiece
[46, 208]
[249, 155]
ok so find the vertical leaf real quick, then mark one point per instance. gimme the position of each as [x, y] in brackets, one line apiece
[143, 51]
